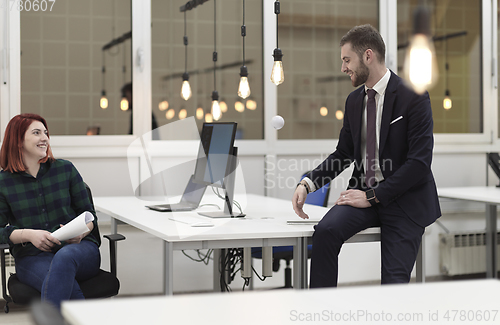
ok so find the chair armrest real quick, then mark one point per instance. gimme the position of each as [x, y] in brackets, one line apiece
[4, 273]
[114, 237]
[112, 249]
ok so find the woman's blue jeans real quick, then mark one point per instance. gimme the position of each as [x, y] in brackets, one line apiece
[56, 275]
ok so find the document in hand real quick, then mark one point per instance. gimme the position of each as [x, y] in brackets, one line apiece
[75, 227]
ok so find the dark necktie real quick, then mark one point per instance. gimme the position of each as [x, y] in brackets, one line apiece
[371, 137]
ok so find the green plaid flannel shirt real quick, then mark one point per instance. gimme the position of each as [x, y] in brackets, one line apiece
[56, 196]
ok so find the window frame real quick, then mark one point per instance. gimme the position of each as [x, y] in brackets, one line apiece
[270, 145]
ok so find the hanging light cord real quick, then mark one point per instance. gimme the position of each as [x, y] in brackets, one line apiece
[103, 69]
[243, 32]
[277, 12]
[185, 43]
[124, 67]
[446, 66]
[447, 99]
[214, 58]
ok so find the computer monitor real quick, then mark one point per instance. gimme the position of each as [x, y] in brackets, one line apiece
[216, 163]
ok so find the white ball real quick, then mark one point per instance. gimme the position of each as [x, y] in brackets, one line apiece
[278, 122]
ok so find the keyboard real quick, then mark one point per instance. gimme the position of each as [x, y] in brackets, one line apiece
[193, 221]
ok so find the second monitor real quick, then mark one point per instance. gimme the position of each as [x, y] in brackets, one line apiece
[216, 163]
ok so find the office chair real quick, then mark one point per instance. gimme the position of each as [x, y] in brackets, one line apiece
[319, 197]
[103, 285]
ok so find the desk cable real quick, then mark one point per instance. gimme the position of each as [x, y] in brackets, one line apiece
[232, 257]
[202, 257]
[220, 196]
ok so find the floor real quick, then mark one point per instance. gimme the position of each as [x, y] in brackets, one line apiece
[18, 315]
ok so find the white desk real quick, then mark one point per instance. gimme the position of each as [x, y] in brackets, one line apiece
[453, 302]
[489, 195]
[264, 226]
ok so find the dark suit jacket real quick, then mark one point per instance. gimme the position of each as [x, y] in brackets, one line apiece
[405, 151]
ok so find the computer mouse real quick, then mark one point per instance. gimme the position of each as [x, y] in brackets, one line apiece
[202, 224]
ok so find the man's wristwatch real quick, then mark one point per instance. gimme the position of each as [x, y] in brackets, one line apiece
[370, 196]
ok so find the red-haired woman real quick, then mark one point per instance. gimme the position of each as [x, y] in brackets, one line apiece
[38, 194]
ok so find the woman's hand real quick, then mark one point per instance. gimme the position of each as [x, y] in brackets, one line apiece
[41, 239]
[78, 239]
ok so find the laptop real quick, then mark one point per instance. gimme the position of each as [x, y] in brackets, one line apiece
[190, 200]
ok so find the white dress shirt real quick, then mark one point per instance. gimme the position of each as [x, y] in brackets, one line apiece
[380, 88]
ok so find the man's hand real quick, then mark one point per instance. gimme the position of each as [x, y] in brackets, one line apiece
[354, 198]
[41, 239]
[298, 199]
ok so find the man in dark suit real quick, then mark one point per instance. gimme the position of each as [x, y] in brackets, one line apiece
[392, 185]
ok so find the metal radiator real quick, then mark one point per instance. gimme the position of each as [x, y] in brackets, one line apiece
[464, 252]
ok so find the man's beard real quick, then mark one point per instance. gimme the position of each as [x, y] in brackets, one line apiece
[361, 75]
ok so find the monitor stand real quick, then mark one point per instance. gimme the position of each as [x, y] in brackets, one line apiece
[229, 191]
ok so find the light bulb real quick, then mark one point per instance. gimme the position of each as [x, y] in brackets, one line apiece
[124, 104]
[339, 114]
[216, 112]
[182, 114]
[420, 66]
[244, 87]
[163, 106]
[447, 104]
[199, 113]
[223, 106]
[186, 87]
[323, 111]
[277, 75]
[104, 101]
[251, 104]
[208, 118]
[170, 114]
[420, 63]
[239, 107]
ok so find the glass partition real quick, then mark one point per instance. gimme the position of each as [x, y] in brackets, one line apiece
[169, 62]
[312, 97]
[62, 62]
[456, 28]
